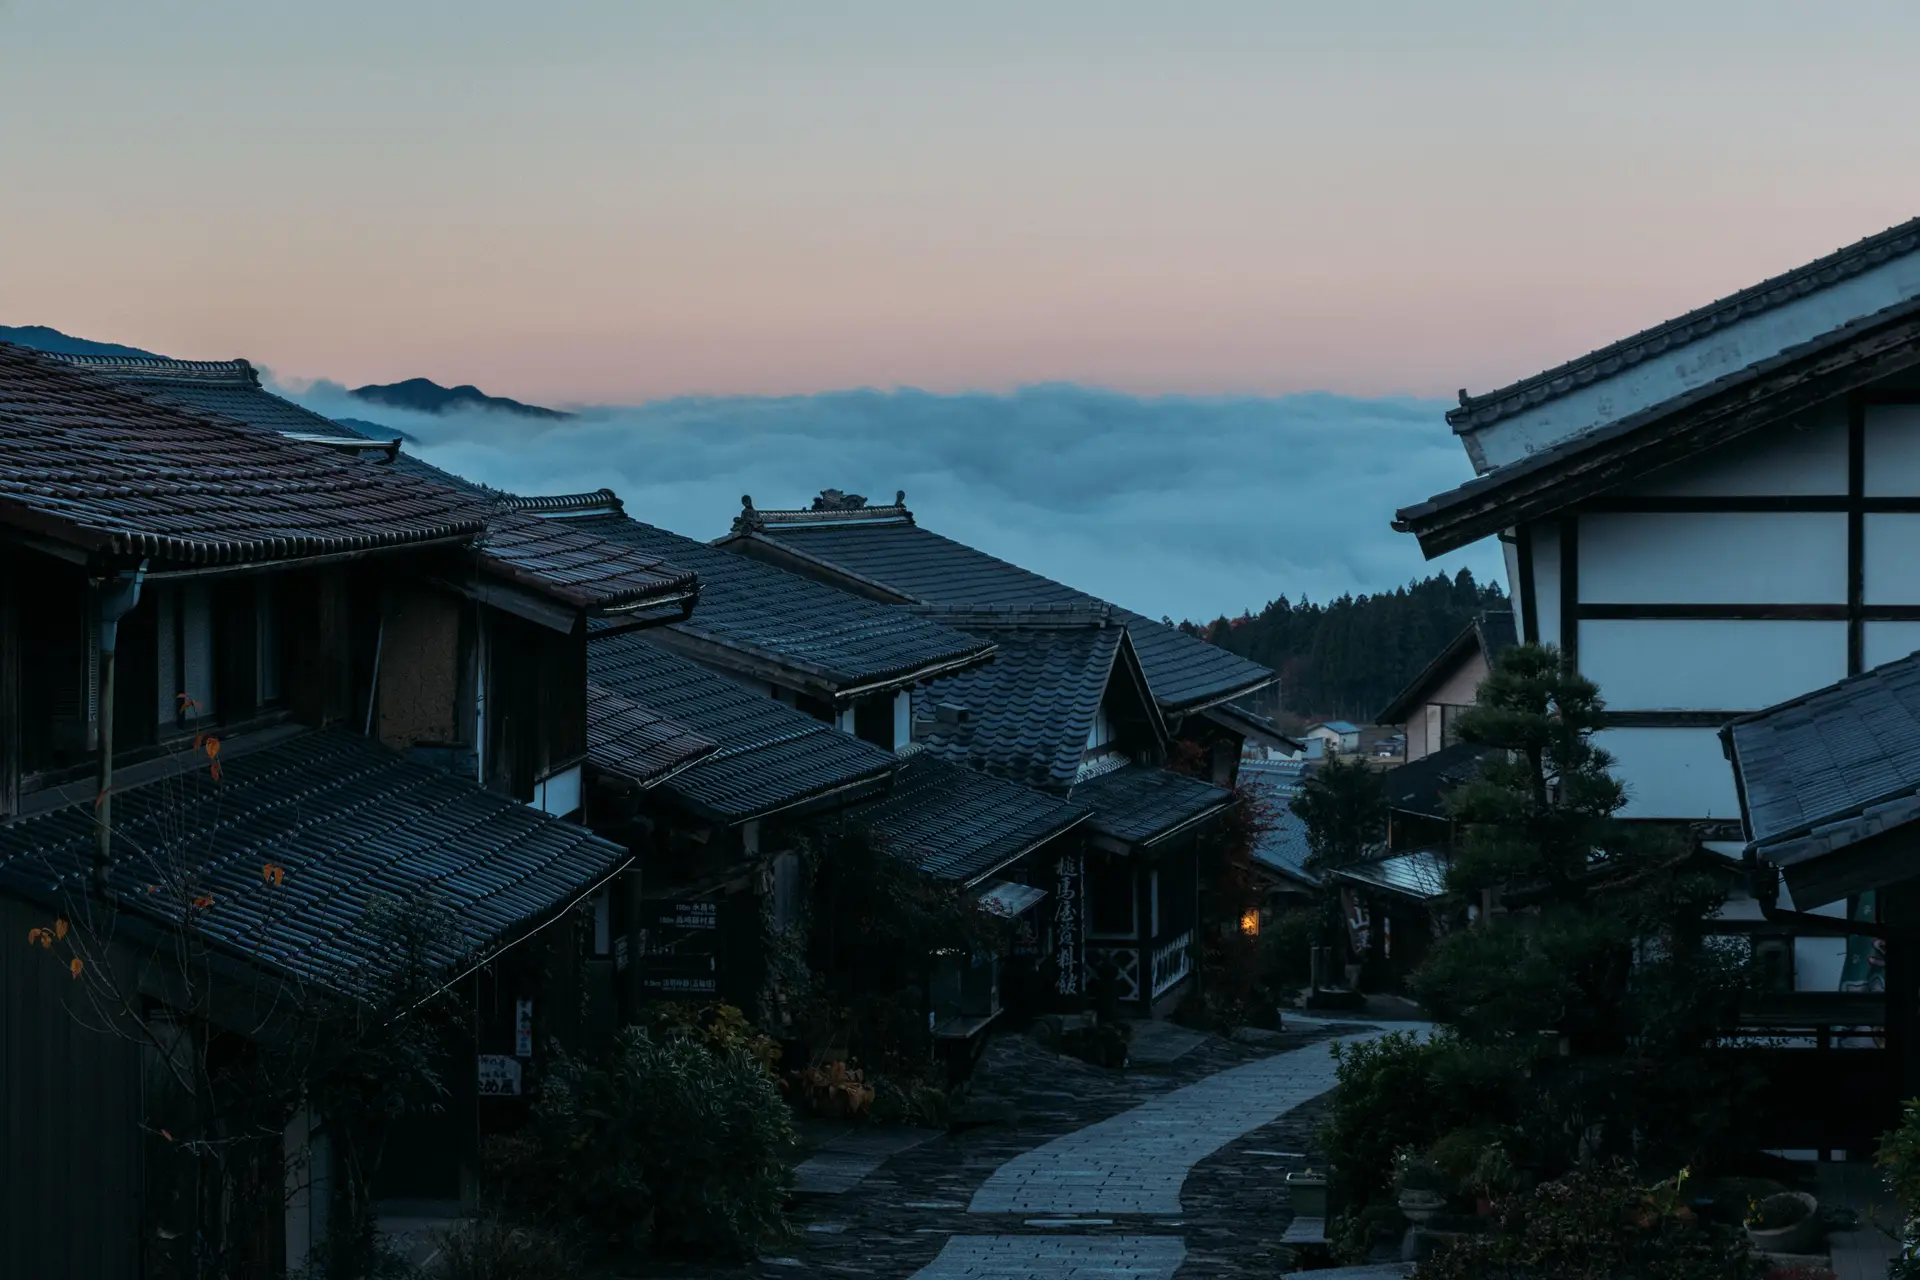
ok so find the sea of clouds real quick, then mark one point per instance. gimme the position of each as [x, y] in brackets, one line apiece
[1181, 506]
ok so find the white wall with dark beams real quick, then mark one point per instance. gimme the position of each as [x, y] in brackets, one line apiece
[1731, 582]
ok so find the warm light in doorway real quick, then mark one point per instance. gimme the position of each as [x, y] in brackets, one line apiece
[1250, 923]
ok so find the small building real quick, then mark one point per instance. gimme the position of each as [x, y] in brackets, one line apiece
[1429, 707]
[1336, 737]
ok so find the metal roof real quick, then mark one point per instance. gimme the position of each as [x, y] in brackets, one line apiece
[1421, 875]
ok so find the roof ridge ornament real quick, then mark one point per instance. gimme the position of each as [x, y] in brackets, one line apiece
[829, 507]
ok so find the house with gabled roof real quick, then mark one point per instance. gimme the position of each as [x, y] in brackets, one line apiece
[884, 553]
[1431, 704]
[225, 669]
[1713, 517]
[1065, 709]
[840, 657]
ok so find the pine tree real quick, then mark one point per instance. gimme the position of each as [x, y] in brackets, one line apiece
[1600, 971]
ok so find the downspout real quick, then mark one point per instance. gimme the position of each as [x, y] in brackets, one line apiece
[118, 596]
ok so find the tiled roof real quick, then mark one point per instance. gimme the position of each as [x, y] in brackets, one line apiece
[346, 821]
[1422, 786]
[573, 565]
[568, 565]
[959, 824]
[771, 757]
[92, 464]
[883, 546]
[1140, 804]
[829, 637]
[1029, 711]
[228, 388]
[1421, 875]
[1492, 406]
[1283, 846]
[1832, 767]
[1601, 459]
[1338, 726]
[642, 746]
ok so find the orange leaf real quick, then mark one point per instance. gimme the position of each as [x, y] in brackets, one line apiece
[59, 928]
[46, 939]
[198, 738]
[202, 902]
[75, 965]
[33, 935]
[273, 873]
[212, 747]
[101, 798]
[213, 771]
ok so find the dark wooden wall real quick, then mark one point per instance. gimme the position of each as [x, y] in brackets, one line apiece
[70, 1145]
[536, 703]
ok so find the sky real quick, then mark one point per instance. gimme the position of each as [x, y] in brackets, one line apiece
[1225, 202]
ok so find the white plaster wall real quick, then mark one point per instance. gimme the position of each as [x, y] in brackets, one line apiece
[1546, 580]
[1672, 773]
[902, 719]
[1882, 642]
[1772, 557]
[1680, 369]
[1511, 554]
[1805, 455]
[1890, 558]
[1891, 450]
[1697, 665]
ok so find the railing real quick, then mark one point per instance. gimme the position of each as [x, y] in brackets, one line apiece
[1126, 963]
[1172, 961]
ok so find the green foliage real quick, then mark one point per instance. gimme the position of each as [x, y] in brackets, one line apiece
[1401, 1093]
[494, 1249]
[1350, 656]
[1287, 944]
[720, 1027]
[910, 1101]
[1604, 953]
[1598, 1225]
[1344, 806]
[1899, 1161]
[664, 1143]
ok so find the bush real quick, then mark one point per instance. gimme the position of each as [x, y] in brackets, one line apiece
[492, 1249]
[1597, 1226]
[1401, 1093]
[665, 1142]
[1899, 1161]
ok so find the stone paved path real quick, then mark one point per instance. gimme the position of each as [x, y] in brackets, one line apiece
[839, 1166]
[1136, 1162]
[1033, 1257]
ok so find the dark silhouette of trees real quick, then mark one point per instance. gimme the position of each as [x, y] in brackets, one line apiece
[1350, 656]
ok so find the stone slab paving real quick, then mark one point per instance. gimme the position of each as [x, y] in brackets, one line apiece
[845, 1161]
[1056, 1258]
[1157, 1043]
[1136, 1162]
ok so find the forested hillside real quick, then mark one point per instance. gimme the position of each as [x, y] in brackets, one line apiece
[1350, 656]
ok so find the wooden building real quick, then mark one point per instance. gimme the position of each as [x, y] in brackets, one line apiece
[235, 665]
[1713, 516]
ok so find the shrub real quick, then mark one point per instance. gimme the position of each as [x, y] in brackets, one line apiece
[1899, 1161]
[665, 1142]
[1597, 1225]
[493, 1249]
[905, 1100]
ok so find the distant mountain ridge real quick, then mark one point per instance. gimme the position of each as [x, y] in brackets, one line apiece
[423, 395]
[42, 338]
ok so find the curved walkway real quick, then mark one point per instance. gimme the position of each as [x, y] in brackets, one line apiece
[1134, 1164]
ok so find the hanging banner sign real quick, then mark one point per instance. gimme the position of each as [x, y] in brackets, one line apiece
[499, 1076]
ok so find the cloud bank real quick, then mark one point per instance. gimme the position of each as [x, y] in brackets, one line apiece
[1172, 505]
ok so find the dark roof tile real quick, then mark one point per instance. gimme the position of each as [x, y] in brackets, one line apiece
[346, 820]
[958, 824]
[632, 742]
[91, 463]
[885, 547]
[1141, 805]
[770, 757]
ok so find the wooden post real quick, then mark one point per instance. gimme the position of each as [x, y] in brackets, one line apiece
[1900, 905]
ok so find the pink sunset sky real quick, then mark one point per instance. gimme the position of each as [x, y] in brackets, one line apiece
[617, 201]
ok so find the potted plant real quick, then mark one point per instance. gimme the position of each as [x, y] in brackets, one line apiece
[1419, 1185]
[1785, 1222]
[1307, 1191]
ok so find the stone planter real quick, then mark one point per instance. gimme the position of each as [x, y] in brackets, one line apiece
[1308, 1194]
[1799, 1236]
[1420, 1205]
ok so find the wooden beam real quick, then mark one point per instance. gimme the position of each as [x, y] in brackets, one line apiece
[1570, 591]
[1529, 595]
[1856, 529]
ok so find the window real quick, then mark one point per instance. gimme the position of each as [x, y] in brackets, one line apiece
[873, 720]
[267, 642]
[184, 624]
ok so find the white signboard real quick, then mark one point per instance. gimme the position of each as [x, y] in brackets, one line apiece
[499, 1076]
[522, 1029]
